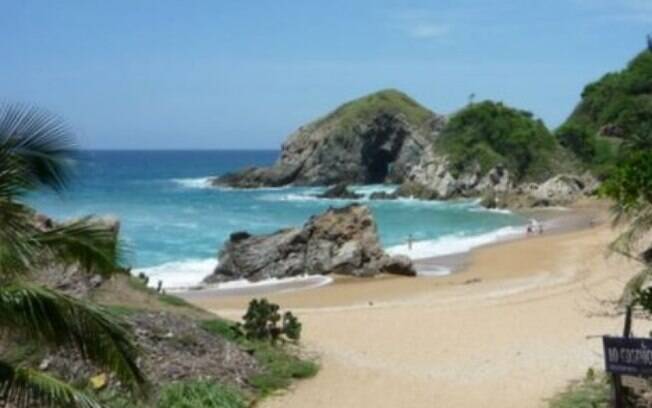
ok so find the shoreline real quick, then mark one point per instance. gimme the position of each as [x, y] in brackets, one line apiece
[554, 220]
[528, 313]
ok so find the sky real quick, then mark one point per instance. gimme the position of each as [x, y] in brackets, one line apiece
[228, 74]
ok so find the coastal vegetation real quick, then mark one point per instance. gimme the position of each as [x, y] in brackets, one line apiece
[34, 153]
[614, 111]
[103, 338]
[591, 392]
[490, 134]
[366, 108]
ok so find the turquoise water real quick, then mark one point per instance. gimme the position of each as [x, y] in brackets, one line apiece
[174, 224]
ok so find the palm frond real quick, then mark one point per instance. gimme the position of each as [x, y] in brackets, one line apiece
[39, 142]
[61, 320]
[24, 388]
[87, 241]
[18, 250]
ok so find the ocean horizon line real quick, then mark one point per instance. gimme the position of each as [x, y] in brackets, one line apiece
[137, 150]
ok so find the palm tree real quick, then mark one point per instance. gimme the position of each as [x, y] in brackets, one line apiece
[36, 152]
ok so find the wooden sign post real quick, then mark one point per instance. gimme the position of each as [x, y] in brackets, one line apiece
[626, 356]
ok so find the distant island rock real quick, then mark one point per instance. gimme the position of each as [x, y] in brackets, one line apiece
[339, 241]
[375, 139]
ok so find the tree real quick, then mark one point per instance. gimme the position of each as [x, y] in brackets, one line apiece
[35, 153]
[630, 186]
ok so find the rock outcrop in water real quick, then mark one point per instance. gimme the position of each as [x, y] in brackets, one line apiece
[374, 139]
[339, 241]
[340, 191]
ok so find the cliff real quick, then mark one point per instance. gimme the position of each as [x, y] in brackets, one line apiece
[374, 139]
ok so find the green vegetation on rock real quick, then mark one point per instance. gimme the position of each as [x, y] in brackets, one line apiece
[389, 101]
[615, 109]
[489, 134]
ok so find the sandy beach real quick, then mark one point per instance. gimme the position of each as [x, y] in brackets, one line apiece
[510, 329]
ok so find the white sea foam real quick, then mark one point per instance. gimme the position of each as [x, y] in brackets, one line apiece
[199, 182]
[454, 244]
[187, 274]
[179, 274]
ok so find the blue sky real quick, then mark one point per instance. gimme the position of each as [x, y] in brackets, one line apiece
[244, 74]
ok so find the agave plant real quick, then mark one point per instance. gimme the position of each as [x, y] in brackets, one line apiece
[36, 153]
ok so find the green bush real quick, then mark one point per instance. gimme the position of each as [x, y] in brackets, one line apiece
[489, 134]
[263, 322]
[200, 394]
[279, 368]
[615, 109]
[279, 364]
[592, 392]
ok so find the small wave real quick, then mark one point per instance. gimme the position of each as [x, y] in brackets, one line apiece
[453, 244]
[199, 182]
[276, 285]
[179, 274]
[492, 210]
[289, 197]
[368, 190]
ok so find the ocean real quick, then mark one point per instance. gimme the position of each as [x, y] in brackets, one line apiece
[173, 223]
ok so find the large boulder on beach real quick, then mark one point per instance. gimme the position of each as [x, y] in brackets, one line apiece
[339, 241]
[375, 139]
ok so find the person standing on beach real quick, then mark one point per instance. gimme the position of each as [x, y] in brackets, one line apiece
[409, 242]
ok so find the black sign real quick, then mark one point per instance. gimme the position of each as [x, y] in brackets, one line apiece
[628, 355]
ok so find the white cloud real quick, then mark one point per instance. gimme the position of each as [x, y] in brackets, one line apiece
[420, 24]
[428, 30]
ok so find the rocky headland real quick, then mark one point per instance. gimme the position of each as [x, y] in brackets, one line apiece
[339, 241]
[487, 150]
[375, 139]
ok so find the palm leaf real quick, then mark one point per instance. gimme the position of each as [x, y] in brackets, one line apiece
[18, 250]
[86, 241]
[39, 142]
[23, 388]
[61, 320]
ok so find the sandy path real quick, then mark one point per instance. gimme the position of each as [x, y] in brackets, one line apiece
[510, 340]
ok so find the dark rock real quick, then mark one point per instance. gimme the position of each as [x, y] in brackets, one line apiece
[340, 240]
[239, 236]
[342, 191]
[399, 265]
[647, 256]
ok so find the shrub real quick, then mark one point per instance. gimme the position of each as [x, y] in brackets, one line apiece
[616, 108]
[264, 322]
[591, 392]
[489, 134]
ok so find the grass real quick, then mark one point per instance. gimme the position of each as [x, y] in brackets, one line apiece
[204, 394]
[139, 285]
[389, 101]
[591, 392]
[280, 366]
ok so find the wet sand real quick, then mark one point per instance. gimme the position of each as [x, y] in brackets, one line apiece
[508, 330]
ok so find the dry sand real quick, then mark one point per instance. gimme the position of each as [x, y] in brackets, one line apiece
[511, 329]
